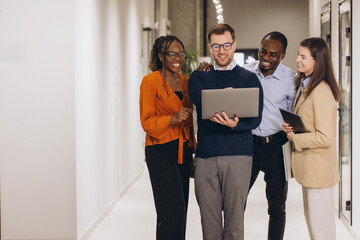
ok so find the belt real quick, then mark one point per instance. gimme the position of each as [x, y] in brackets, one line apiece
[268, 139]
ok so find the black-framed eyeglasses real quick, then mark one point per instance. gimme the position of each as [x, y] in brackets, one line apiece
[172, 55]
[226, 46]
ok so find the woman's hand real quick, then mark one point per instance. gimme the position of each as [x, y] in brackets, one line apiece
[204, 66]
[182, 115]
[223, 119]
[290, 136]
[289, 131]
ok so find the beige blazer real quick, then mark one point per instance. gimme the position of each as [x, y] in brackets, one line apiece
[315, 160]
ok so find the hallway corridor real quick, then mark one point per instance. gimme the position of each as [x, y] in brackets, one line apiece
[134, 217]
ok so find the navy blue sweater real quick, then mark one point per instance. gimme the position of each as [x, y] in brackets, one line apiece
[215, 139]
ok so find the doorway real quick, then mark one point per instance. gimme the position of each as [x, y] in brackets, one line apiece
[345, 110]
[326, 23]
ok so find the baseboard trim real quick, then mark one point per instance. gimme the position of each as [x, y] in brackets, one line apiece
[86, 235]
[349, 228]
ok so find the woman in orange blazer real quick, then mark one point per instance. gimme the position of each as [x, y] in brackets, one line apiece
[166, 117]
[314, 157]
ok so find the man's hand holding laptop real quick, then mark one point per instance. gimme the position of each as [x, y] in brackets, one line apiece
[224, 119]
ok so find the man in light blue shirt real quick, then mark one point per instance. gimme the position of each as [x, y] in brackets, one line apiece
[277, 81]
[280, 91]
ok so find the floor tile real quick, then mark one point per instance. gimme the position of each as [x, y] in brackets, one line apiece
[134, 216]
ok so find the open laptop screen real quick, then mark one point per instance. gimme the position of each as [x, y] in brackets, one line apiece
[240, 102]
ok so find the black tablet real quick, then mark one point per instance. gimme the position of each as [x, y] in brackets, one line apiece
[293, 120]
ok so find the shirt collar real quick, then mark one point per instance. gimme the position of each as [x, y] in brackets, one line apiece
[276, 74]
[229, 67]
[278, 71]
[304, 82]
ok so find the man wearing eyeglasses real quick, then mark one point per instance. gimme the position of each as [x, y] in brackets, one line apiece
[225, 145]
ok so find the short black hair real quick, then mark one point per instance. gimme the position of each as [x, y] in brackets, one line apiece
[277, 36]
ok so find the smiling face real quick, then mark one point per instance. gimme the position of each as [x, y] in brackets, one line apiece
[270, 55]
[173, 65]
[223, 57]
[305, 62]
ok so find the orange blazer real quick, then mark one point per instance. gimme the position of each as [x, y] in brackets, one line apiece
[157, 103]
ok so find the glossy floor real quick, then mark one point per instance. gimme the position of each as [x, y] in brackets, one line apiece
[134, 217]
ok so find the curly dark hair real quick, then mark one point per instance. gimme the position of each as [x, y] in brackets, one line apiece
[161, 46]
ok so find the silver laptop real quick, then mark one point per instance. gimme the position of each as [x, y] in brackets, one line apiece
[240, 102]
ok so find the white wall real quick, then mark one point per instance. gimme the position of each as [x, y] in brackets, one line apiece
[108, 76]
[71, 141]
[251, 20]
[314, 18]
[95, 111]
[37, 105]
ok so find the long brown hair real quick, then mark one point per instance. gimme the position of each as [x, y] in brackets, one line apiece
[323, 69]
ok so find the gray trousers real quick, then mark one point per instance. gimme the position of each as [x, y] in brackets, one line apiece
[221, 186]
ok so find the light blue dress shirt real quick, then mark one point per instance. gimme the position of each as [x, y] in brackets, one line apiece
[304, 82]
[279, 92]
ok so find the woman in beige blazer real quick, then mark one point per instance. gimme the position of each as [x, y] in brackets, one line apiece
[314, 157]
